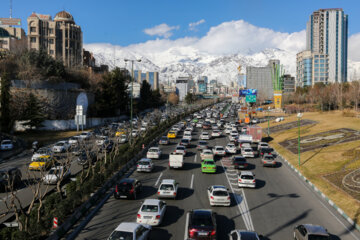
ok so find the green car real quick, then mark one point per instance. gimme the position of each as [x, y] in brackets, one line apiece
[195, 120]
[208, 166]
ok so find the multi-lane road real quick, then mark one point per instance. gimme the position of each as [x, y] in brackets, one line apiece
[280, 201]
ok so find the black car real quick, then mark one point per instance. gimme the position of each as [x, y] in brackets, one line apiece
[10, 178]
[269, 151]
[202, 224]
[84, 157]
[239, 162]
[127, 188]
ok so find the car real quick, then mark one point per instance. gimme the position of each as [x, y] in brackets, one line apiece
[231, 148]
[142, 128]
[85, 135]
[6, 145]
[180, 149]
[135, 133]
[202, 224]
[206, 154]
[144, 165]
[219, 151]
[56, 174]
[187, 136]
[120, 132]
[164, 140]
[151, 212]
[61, 146]
[244, 235]
[245, 145]
[171, 134]
[310, 231]
[268, 150]
[218, 196]
[239, 162]
[228, 130]
[185, 142]
[205, 136]
[202, 145]
[84, 156]
[246, 179]
[10, 178]
[130, 231]
[216, 133]
[168, 188]
[123, 139]
[268, 160]
[188, 131]
[247, 152]
[153, 153]
[41, 163]
[262, 145]
[42, 152]
[102, 140]
[127, 188]
[208, 166]
[198, 124]
[74, 140]
[206, 125]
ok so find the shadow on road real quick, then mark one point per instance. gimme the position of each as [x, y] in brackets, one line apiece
[224, 227]
[260, 183]
[190, 166]
[184, 193]
[146, 191]
[158, 169]
[158, 233]
[173, 214]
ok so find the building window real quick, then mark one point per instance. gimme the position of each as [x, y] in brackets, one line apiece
[32, 29]
[51, 30]
[52, 52]
[33, 40]
[51, 41]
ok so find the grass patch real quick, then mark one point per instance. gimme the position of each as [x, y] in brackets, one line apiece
[45, 137]
[327, 160]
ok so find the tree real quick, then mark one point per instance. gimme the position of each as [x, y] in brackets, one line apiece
[5, 121]
[190, 98]
[145, 95]
[173, 98]
[33, 112]
[156, 99]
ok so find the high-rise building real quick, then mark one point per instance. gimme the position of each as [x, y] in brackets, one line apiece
[202, 84]
[151, 77]
[327, 40]
[311, 68]
[182, 87]
[61, 38]
[288, 83]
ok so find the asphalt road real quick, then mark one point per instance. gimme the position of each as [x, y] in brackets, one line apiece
[280, 201]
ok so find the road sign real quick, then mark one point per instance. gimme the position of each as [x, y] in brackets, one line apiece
[80, 119]
[250, 98]
[79, 110]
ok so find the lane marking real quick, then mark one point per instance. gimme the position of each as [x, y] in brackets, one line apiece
[192, 181]
[195, 158]
[157, 181]
[186, 225]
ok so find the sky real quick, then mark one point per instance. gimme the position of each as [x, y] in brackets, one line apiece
[217, 26]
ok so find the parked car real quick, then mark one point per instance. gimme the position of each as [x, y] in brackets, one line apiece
[61, 146]
[202, 224]
[151, 212]
[164, 140]
[239, 162]
[154, 153]
[268, 160]
[56, 174]
[246, 179]
[219, 151]
[202, 145]
[130, 231]
[10, 178]
[168, 188]
[145, 165]
[6, 145]
[310, 231]
[244, 235]
[127, 188]
[218, 196]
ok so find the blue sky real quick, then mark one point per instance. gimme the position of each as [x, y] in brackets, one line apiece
[123, 22]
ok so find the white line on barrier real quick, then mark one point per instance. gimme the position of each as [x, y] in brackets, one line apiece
[186, 225]
[157, 181]
[192, 181]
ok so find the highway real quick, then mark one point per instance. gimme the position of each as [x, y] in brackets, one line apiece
[279, 203]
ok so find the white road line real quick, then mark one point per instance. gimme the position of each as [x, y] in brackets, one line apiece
[195, 158]
[248, 211]
[157, 181]
[192, 182]
[232, 174]
[186, 225]
[233, 179]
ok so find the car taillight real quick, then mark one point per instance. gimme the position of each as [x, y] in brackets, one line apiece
[211, 197]
[245, 164]
[239, 179]
[213, 233]
[228, 198]
[254, 181]
[157, 216]
[132, 190]
[174, 193]
[116, 188]
[138, 165]
[158, 193]
[138, 216]
[192, 232]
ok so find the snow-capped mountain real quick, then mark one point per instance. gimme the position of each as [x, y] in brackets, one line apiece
[186, 60]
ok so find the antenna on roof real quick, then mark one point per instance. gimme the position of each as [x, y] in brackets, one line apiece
[10, 8]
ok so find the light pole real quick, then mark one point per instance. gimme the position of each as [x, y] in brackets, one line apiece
[132, 89]
[268, 132]
[299, 115]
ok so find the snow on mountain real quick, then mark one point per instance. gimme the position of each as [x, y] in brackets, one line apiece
[187, 60]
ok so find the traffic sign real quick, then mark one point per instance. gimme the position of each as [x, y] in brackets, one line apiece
[250, 98]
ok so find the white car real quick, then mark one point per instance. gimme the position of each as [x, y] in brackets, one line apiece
[41, 152]
[61, 146]
[216, 133]
[153, 153]
[168, 188]
[205, 136]
[131, 231]
[207, 154]
[198, 125]
[85, 135]
[55, 174]
[228, 130]
[262, 145]
[231, 148]
[187, 132]
[218, 196]
[247, 152]
[143, 128]
[219, 151]
[233, 138]
[144, 165]
[134, 133]
[180, 149]
[6, 145]
[187, 136]
[73, 141]
[246, 179]
[151, 212]
[101, 140]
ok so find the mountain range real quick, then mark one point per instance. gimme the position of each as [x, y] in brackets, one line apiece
[185, 61]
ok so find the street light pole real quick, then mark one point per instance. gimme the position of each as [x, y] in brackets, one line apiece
[268, 132]
[299, 115]
[132, 90]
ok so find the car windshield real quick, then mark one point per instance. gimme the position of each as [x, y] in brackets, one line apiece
[249, 236]
[144, 163]
[150, 208]
[201, 219]
[167, 187]
[164, 138]
[205, 133]
[6, 142]
[60, 144]
[180, 148]
[3, 175]
[231, 146]
[209, 163]
[239, 159]
[40, 160]
[248, 150]
[124, 186]
[318, 237]
[220, 193]
[119, 235]
[247, 177]
[219, 149]
[202, 143]
[268, 158]
[55, 171]
[184, 140]
[153, 150]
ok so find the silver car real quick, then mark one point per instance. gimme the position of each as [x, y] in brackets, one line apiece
[168, 189]
[145, 165]
[151, 212]
[310, 231]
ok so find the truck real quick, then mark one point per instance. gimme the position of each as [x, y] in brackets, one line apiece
[245, 138]
[256, 133]
[176, 160]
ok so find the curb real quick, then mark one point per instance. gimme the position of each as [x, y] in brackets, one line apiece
[329, 201]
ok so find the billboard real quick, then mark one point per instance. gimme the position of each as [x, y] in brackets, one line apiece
[10, 21]
[250, 98]
[245, 92]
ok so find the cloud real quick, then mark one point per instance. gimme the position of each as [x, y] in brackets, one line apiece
[193, 25]
[354, 47]
[162, 30]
